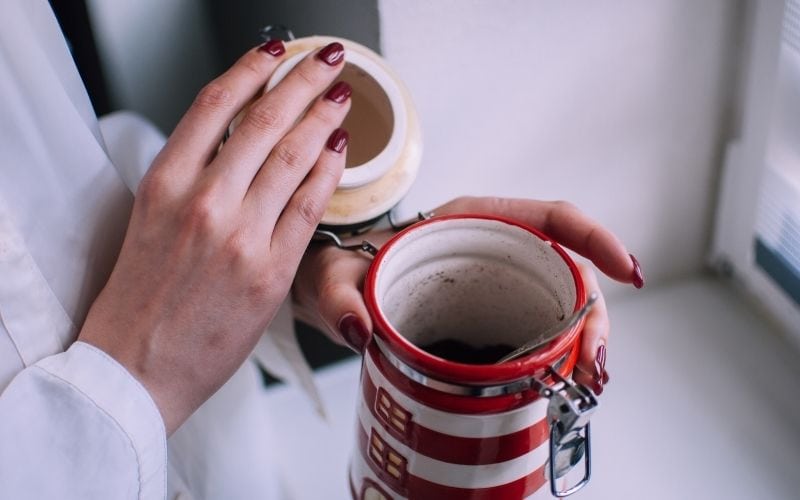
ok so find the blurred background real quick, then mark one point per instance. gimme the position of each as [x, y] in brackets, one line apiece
[675, 123]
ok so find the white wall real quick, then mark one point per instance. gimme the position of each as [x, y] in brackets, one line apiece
[615, 106]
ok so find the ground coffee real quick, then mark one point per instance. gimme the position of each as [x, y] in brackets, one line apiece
[461, 352]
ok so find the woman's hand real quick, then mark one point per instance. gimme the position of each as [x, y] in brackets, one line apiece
[328, 287]
[215, 237]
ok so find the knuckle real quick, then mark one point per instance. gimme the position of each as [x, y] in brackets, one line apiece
[288, 155]
[464, 199]
[309, 209]
[154, 187]
[328, 289]
[323, 115]
[500, 205]
[330, 172]
[307, 74]
[460, 204]
[259, 290]
[251, 65]
[201, 214]
[265, 119]
[565, 206]
[214, 97]
[239, 251]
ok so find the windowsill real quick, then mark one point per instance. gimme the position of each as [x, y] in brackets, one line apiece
[702, 404]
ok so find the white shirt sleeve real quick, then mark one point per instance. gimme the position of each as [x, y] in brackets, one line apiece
[104, 434]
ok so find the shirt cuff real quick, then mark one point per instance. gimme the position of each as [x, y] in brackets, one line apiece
[117, 393]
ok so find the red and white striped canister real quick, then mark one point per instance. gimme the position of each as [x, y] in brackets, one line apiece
[429, 428]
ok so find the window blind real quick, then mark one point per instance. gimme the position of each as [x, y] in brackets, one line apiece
[777, 238]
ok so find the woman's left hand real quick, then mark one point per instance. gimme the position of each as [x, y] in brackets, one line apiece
[328, 286]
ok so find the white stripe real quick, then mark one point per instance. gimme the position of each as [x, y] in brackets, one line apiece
[456, 424]
[456, 475]
[359, 469]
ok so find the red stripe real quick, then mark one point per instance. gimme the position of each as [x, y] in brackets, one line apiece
[448, 402]
[460, 450]
[421, 489]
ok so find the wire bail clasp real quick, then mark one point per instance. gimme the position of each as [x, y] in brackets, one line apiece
[269, 31]
[570, 407]
[365, 246]
[335, 240]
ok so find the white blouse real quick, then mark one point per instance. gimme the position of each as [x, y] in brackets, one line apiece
[73, 422]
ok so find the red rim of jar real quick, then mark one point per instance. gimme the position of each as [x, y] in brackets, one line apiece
[451, 371]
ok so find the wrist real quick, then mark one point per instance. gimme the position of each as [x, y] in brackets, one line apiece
[171, 397]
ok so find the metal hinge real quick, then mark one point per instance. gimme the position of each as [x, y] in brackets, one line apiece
[570, 407]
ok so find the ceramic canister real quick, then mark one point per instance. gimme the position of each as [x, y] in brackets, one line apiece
[481, 280]
[385, 147]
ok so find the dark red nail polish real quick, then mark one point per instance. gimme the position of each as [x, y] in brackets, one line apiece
[598, 388]
[338, 140]
[273, 47]
[600, 364]
[354, 332]
[638, 277]
[331, 54]
[339, 92]
[606, 378]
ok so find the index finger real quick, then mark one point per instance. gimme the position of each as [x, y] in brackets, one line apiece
[197, 136]
[269, 118]
[567, 225]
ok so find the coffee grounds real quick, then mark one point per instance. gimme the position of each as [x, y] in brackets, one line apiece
[461, 352]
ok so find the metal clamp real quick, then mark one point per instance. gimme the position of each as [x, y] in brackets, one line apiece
[568, 412]
[569, 409]
[399, 226]
[365, 246]
[268, 31]
[334, 239]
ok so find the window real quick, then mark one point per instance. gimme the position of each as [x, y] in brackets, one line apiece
[757, 238]
[777, 238]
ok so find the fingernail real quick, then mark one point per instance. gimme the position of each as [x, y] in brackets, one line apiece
[273, 47]
[638, 277]
[600, 364]
[339, 93]
[331, 54]
[597, 387]
[354, 332]
[338, 140]
[606, 378]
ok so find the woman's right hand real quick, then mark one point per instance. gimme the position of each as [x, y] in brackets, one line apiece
[215, 236]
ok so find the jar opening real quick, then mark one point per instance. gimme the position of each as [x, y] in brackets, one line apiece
[482, 283]
[370, 120]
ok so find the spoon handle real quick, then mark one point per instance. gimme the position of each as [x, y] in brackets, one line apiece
[552, 332]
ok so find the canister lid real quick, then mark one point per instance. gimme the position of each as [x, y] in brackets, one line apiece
[385, 146]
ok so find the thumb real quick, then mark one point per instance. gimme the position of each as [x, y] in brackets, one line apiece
[342, 306]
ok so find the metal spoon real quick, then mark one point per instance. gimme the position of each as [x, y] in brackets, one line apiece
[552, 332]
